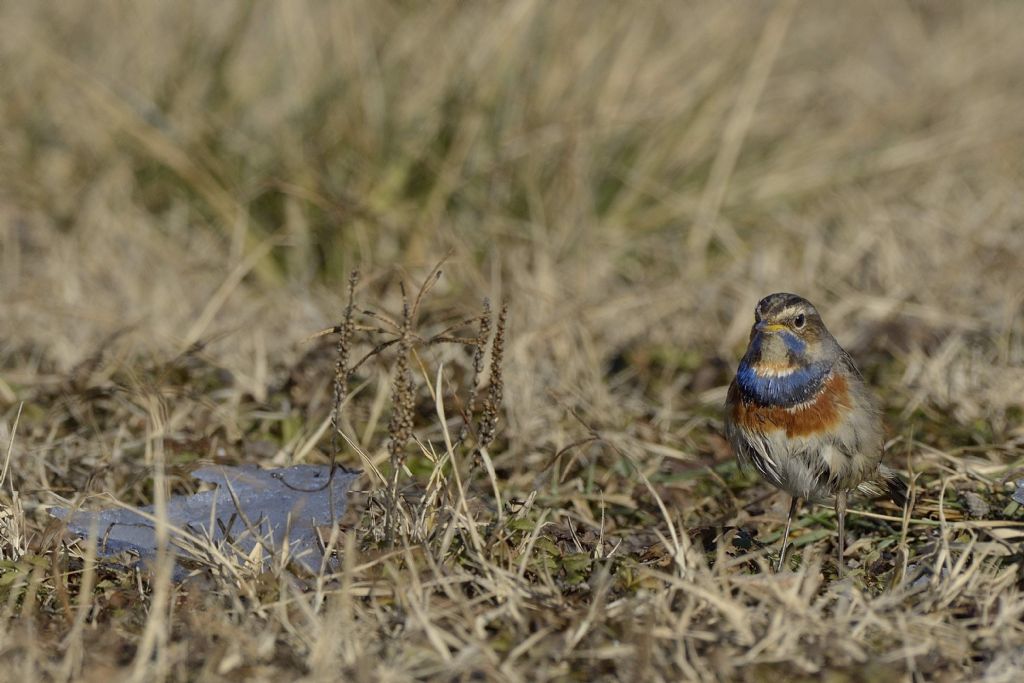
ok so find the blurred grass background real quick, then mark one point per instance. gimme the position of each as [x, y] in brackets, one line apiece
[632, 178]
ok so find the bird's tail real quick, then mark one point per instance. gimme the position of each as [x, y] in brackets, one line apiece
[887, 482]
[894, 485]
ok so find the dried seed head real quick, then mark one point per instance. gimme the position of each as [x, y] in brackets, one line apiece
[341, 366]
[479, 350]
[496, 387]
[402, 398]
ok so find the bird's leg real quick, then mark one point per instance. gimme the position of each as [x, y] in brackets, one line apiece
[841, 517]
[793, 505]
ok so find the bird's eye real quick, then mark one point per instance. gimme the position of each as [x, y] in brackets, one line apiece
[799, 321]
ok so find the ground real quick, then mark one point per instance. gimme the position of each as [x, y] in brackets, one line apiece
[185, 189]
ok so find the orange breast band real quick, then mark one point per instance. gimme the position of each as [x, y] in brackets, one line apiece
[822, 413]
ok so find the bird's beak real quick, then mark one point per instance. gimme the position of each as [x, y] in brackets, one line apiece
[769, 327]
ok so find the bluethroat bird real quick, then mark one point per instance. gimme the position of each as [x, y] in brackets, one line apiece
[800, 412]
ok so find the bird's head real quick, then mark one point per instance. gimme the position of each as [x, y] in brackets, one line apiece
[788, 334]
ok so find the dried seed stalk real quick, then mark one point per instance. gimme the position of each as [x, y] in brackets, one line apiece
[496, 387]
[401, 422]
[341, 366]
[342, 371]
[479, 349]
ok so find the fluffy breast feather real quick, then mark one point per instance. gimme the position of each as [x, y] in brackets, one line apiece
[812, 449]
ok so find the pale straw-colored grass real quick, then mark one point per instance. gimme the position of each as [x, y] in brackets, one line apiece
[184, 188]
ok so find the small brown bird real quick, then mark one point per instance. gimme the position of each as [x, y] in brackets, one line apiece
[800, 412]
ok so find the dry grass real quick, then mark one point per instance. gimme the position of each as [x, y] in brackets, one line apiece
[184, 188]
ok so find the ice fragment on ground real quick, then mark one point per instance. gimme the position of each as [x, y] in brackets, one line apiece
[270, 502]
[1018, 495]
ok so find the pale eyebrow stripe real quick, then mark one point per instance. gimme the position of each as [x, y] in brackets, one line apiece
[793, 310]
[786, 312]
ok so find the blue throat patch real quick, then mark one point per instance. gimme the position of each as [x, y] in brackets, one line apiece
[793, 342]
[799, 386]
